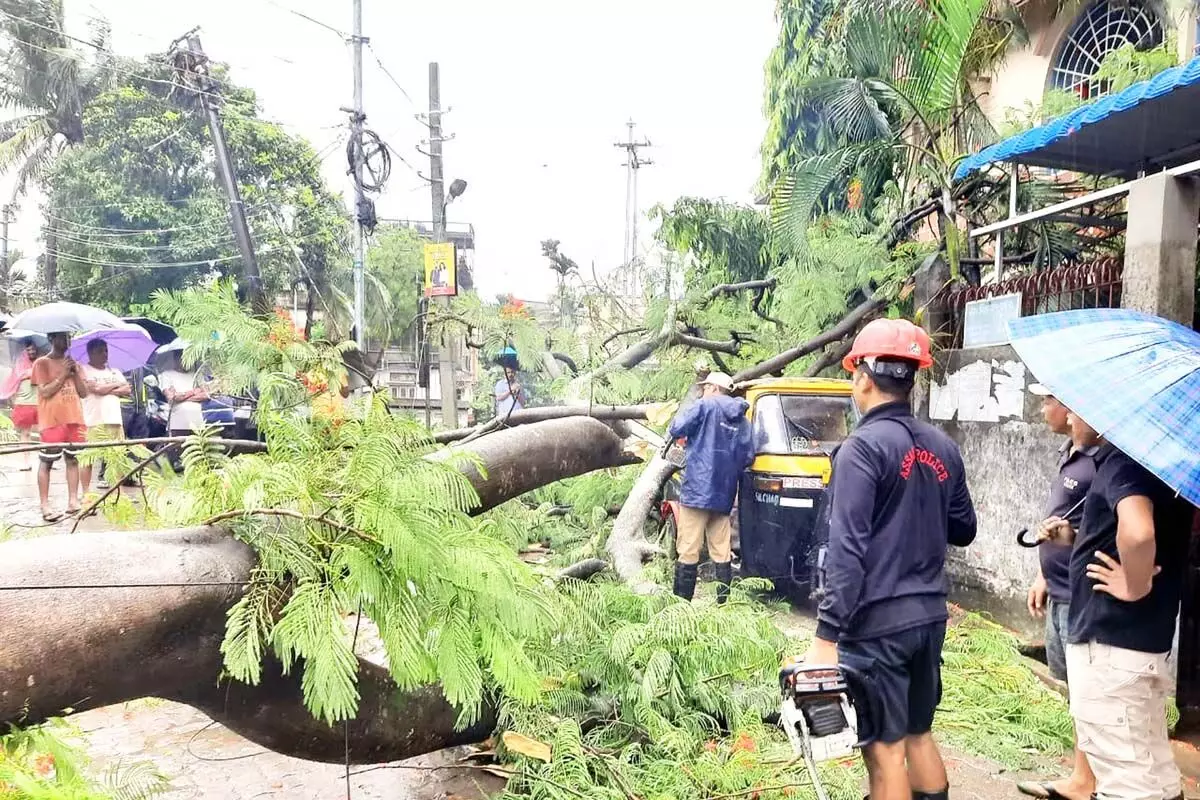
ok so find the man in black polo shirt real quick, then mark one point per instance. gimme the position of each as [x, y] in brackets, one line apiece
[1126, 572]
[1050, 595]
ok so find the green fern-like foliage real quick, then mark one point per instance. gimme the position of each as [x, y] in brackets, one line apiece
[40, 764]
[653, 697]
[347, 513]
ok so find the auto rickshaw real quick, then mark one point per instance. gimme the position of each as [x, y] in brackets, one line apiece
[796, 424]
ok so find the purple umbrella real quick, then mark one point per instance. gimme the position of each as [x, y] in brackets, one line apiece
[129, 346]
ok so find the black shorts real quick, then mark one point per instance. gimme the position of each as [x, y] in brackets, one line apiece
[904, 671]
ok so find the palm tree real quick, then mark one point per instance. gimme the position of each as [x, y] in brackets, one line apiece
[563, 267]
[45, 84]
[900, 107]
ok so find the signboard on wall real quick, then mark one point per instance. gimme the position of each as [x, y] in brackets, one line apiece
[985, 322]
[440, 270]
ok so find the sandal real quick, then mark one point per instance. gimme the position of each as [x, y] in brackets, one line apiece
[51, 516]
[1042, 789]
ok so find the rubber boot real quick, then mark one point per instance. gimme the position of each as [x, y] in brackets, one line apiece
[944, 794]
[685, 580]
[724, 576]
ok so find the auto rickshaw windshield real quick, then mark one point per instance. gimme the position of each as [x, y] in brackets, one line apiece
[801, 424]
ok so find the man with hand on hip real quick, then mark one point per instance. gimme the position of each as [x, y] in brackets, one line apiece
[1127, 570]
[1050, 595]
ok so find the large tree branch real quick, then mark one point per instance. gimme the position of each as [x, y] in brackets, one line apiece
[845, 326]
[833, 355]
[543, 413]
[734, 288]
[729, 346]
[759, 287]
[139, 614]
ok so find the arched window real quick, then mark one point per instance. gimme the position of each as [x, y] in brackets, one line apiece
[1102, 28]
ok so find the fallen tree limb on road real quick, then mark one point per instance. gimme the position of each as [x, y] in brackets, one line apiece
[143, 614]
[543, 413]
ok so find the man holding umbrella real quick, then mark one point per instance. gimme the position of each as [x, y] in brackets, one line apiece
[1126, 573]
[1135, 378]
[60, 387]
[1050, 595]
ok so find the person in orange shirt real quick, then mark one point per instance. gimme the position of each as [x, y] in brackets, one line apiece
[60, 387]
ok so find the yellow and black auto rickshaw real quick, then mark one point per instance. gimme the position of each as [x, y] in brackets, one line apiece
[796, 424]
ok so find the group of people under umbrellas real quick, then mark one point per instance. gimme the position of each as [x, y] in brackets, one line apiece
[74, 392]
[1114, 544]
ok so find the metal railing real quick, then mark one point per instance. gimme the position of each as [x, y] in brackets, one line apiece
[1090, 284]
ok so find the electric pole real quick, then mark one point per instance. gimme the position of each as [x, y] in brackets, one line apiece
[437, 186]
[5, 218]
[359, 157]
[193, 66]
[633, 162]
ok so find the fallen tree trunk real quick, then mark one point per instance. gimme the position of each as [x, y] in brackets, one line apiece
[139, 614]
[627, 545]
[544, 413]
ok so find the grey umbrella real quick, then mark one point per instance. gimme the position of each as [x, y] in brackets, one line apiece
[64, 318]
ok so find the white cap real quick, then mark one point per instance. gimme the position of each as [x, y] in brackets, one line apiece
[720, 380]
[1040, 390]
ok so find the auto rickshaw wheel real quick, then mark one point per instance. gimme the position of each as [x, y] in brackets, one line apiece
[667, 532]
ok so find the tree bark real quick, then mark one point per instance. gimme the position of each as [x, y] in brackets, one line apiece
[519, 460]
[627, 545]
[545, 413]
[109, 617]
[745, 286]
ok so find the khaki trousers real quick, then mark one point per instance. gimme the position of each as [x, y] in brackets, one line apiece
[1119, 703]
[697, 525]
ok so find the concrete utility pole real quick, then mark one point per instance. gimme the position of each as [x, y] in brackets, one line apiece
[633, 162]
[437, 186]
[193, 66]
[5, 218]
[356, 127]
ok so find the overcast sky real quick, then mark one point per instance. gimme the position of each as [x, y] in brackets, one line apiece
[539, 90]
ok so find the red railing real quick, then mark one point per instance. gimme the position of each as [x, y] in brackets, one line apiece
[1091, 284]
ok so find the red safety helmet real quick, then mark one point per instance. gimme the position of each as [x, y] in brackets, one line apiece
[890, 338]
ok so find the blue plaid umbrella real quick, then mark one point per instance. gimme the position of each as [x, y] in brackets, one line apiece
[1133, 377]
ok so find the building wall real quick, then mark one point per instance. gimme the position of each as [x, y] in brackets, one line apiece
[980, 398]
[1021, 79]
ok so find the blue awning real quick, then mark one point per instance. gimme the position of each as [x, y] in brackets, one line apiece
[1151, 125]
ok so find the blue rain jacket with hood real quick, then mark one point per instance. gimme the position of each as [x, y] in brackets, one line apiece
[719, 449]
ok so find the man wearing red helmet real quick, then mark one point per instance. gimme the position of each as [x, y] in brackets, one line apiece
[898, 496]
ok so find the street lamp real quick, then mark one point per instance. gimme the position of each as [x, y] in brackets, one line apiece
[457, 187]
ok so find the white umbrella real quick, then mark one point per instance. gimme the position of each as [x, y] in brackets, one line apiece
[64, 318]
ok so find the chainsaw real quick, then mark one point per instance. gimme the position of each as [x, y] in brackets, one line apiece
[818, 715]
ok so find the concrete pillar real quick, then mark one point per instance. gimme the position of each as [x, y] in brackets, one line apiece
[1160, 247]
[1186, 32]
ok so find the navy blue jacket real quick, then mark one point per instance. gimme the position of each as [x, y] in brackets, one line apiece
[898, 495]
[718, 450]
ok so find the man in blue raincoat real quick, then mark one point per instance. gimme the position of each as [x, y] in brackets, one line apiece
[719, 449]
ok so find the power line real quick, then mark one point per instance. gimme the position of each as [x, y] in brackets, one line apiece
[391, 77]
[345, 36]
[106, 52]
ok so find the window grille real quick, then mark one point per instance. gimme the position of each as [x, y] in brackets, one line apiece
[1102, 28]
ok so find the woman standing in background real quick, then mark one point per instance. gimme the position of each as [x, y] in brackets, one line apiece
[19, 389]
